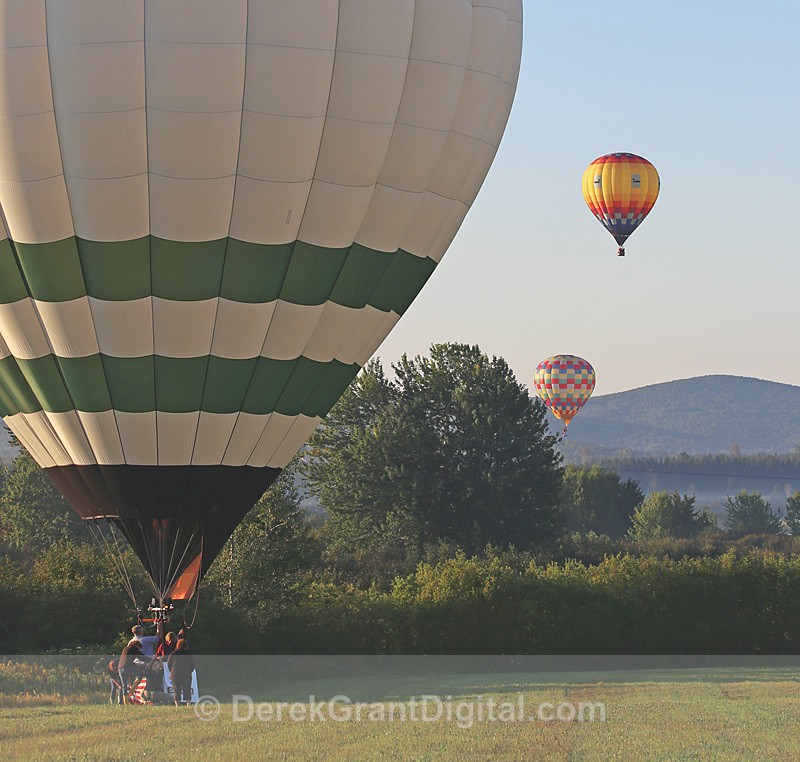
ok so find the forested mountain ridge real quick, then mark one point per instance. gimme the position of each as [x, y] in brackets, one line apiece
[706, 414]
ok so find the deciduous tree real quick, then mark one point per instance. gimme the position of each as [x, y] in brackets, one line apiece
[33, 515]
[454, 450]
[597, 500]
[669, 514]
[793, 514]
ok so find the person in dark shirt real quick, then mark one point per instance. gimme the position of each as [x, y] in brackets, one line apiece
[182, 636]
[181, 665]
[167, 646]
[115, 697]
[130, 666]
[154, 675]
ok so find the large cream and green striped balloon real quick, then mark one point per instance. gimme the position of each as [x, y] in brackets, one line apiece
[214, 211]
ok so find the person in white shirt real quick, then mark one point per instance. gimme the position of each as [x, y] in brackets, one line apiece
[148, 643]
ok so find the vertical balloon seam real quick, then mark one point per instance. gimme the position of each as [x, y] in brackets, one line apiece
[291, 379]
[150, 227]
[230, 223]
[302, 217]
[397, 254]
[18, 403]
[594, 193]
[327, 107]
[22, 376]
[70, 391]
[315, 389]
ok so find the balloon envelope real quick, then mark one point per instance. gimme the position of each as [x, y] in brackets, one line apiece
[620, 189]
[212, 215]
[564, 383]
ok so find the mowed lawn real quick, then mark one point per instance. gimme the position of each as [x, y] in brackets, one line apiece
[712, 715]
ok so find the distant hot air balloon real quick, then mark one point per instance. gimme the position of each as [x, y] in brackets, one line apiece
[211, 215]
[621, 189]
[564, 383]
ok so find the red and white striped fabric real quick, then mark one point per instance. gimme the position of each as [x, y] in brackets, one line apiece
[137, 695]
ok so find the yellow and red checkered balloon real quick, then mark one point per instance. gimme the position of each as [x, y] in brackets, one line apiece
[621, 189]
[564, 383]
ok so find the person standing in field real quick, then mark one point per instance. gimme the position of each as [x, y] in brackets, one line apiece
[181, 665]
[115, 697]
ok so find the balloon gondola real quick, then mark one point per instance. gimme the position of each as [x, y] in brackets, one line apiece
[212, 214]
[621, 189]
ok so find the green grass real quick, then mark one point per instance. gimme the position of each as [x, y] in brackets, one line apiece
[668, 715]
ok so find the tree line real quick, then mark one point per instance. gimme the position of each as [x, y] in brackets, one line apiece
[442, 468]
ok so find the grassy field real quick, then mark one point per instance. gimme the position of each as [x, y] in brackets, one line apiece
[686, 715]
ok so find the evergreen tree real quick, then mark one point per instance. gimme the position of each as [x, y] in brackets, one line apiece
[749, 513]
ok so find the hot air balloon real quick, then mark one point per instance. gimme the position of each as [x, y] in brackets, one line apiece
[621, 189]
[213, 213]
[564, 383]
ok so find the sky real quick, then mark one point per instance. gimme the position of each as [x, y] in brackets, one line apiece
[709, 92]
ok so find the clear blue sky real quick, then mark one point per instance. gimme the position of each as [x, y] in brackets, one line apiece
[710, 93]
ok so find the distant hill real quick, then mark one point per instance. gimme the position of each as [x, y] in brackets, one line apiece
[708, 414]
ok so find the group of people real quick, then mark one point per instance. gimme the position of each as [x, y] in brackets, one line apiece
[145, 657]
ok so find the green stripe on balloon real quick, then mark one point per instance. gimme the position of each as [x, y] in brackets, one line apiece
[98, 383]
[17, 388]
[360, 275]
[52, 270]
[402, 281]
[226, 383]
[116, 271]
[296, 272]
[186, 272]
[12, 287]
[86, 383]
[130, 383]
[45, 381]
[254, 272]
[7, 404]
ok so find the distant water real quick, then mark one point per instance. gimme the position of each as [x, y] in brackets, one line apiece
[710, 490]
